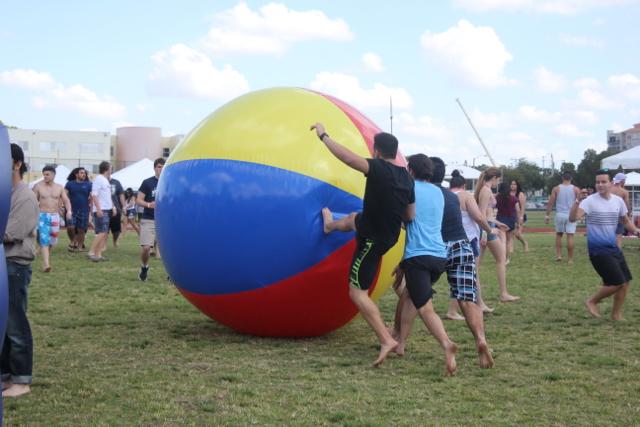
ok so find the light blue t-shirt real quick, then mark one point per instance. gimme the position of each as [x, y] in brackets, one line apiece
[602, 219]
[424, 235]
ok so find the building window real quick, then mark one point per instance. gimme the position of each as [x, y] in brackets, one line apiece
[52, 146]
[23, 144]
[90, 148]
[165, 152]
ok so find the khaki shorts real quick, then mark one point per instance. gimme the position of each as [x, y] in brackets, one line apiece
[147, 232]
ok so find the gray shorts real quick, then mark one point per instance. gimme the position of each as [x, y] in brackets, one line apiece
[563, 225]
[147, 232]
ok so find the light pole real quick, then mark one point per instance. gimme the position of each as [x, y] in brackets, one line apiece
[473, 162]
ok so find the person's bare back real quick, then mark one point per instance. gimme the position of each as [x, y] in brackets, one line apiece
[49, 196]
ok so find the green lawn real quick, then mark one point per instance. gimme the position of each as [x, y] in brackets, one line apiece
[110, 350]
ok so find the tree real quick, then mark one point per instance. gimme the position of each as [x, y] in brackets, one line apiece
[527, 173]
[589, 166]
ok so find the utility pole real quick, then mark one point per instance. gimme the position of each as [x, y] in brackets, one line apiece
[476, 132]
[391, 114]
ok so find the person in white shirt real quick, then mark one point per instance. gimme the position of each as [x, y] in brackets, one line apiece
[102, 206]
[604, 210]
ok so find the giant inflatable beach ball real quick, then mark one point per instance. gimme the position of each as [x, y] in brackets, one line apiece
[239, 221]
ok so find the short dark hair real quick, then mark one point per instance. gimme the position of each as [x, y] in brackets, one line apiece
[159, 161]
[104, 167]
[457, 180]
[49, 168]
[421, 166]
[604, 171]
[567, 176]
[17, 155]
[386, 144]
[439, 167]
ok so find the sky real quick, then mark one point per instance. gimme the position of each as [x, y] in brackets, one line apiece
[541, 80]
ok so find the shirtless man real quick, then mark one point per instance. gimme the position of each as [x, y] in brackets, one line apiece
[618, 189]
[49, 195]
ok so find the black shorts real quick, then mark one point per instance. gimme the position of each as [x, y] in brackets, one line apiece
[115, 223]
[420, 273]
[365, 262]
[509, 221]
[612, 268]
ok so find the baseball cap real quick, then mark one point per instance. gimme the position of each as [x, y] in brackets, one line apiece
[619, 178]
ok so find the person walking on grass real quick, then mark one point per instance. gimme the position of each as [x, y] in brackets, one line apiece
[521, 214]
[604, 210]
[563, 196]
[618, 189]
[388, 200]
[115, 220]
[496, 240]
[102, 208]
[78, 188]
[50, 195]
[16, 361]
[147, 198]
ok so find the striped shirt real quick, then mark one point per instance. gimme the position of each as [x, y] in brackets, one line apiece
[602, 219]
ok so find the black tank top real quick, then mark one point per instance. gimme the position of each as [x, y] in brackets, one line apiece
[452, 228]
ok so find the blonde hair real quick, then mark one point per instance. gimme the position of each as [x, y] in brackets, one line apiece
[486, 175]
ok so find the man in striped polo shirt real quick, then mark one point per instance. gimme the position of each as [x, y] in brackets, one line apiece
[603, 210]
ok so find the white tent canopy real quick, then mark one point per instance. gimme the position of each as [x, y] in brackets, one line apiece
[133, 175]
[62, 173]
[629, 159]
[633, 179]
[465, 171]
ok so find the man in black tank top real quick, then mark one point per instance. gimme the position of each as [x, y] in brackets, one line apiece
[388, 200]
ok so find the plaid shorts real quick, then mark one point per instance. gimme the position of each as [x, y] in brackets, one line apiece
[461, 271]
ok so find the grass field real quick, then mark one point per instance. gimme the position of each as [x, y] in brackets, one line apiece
[110, 350]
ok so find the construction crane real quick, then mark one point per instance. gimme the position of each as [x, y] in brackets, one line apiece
[476, 132]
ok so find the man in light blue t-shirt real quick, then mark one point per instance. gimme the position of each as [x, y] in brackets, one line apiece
[603, 210]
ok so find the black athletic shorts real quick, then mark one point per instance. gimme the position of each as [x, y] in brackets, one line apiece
[420, 273]
[365, 262]
[115, 223]
[612, 268]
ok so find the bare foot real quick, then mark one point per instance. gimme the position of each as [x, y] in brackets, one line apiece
[509, 298]
[592, 309]
[454, 316]
[617, 317]
[487, 309]
[507, 261]
[399, 350]
[526, 246]
[16, 390]
[385, 349]
[570, 262]
[46, 269]
[327, 218]
[484, 355]
[559, 259]
[450, 359]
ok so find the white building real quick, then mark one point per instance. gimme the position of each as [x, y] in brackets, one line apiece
[621, 141]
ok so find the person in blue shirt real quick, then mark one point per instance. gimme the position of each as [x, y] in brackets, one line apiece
[78, 188]
[424, 260]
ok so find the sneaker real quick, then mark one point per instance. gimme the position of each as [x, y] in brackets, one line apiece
[143, 273]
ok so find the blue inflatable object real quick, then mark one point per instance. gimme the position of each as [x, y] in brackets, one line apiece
[5, 202]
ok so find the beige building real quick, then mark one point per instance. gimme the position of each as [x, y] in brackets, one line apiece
[89, 148]
[621, 141]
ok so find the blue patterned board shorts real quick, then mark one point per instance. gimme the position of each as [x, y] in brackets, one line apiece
[48, 228]
[461, 271]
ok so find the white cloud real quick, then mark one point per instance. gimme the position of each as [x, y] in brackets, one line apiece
[423, 126]
[586, 83]
[562, 7]
[581, 41]
[50, 94]
[596, 100]
[27, 79]
[348, 88]
[185, 72]
[571, 130]
[548, 81]
[372, 62]
[533, 114]
[270, 30]
[626, 85]
[491, 120]
[475, 55]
